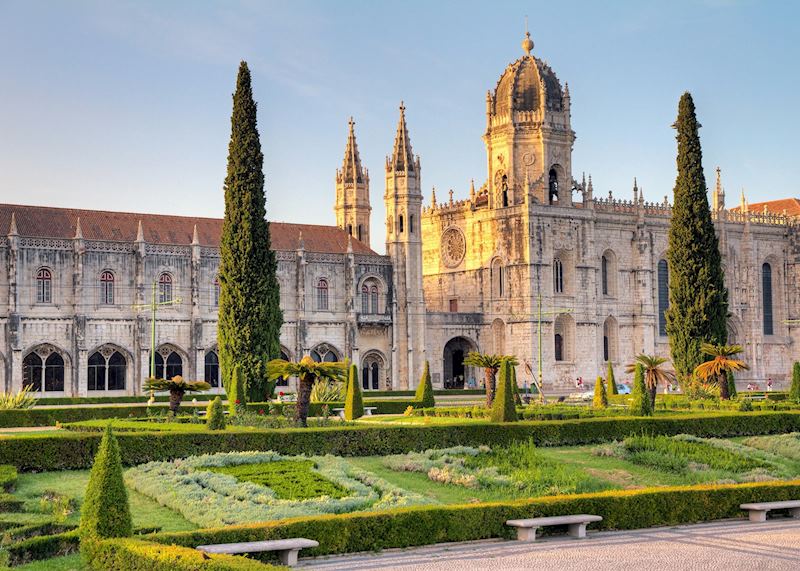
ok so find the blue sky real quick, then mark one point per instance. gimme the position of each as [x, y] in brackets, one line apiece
[126, 105]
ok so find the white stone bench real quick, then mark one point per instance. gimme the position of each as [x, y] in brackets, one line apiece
[758, 511]
[367, 411]
[526, 528]
[287, 549]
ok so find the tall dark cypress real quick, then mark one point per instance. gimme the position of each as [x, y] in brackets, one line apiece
[249, 303]
[698, 300]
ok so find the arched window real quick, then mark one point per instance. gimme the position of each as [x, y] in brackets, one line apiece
[324, 354]
[373, 294]
[365, 298]
[400, 225]
[350, 229]
[164, 288]
[610, 339]
[369, 296]
[44, 286]
[497, 279]
[169, 368]
[504, 192]
[766, 297]
[216, 291]
[558, 276]
[411, 223]
[359, 231]
[371, 372]
[282, 382]
[559, 345]
[663, 296]
[322, 294]
[106, 373]
[553, 186]
[107, 288]
[604, 275]
[212, 368]
[43, 373]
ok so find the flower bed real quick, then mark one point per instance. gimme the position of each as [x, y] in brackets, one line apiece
[196, 488]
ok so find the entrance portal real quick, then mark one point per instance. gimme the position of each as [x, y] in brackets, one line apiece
[456, 375]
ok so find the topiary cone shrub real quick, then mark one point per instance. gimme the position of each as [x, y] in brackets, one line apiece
[600, 397]
[794, 391]
[215, 415]
[503, 409]
[105, 512]
[353, 400]
[424, 394]
[612, 381]
[640, 405]
[236, 396]
[731, 385]
[515, 386]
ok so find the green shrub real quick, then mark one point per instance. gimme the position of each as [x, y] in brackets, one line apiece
[237, 396]
[515, 386]
[628, 509]
[353, 402]
[138, 555]
[503, 409]
[9, 503]
[19, 401]
[674, 454]
[640, 404]
[424, 395]
[42, 547]
[731, 385]
[105, 512]
[52, 416]
[70, 450]
[612, 381]
[324, 391]
[290, 479]
[8, 478]
[215, 415]
[600, 399]
[794, 391]
[745, 405]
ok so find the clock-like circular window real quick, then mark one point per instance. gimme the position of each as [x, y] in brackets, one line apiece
[454, 246]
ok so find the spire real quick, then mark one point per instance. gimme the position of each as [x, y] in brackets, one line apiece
[527, 43]
[433, 197]
[12, 227]
[351, 167]
[743, 203]
[635, 191]
[195, 237]
[301, 244]
[718, 195]
[140, 233]
[402, 156]
[78, 230]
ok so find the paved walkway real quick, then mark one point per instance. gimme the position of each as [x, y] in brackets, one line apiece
[724, 545]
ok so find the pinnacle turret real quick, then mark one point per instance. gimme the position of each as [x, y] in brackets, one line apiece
[351, 166]
[402, 155]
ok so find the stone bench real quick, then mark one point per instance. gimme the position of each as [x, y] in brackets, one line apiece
[368, 411]
[758, 511]
[526, 528]
[287, 549]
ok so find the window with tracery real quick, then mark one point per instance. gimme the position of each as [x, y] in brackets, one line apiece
[107, 288]
[44, 286]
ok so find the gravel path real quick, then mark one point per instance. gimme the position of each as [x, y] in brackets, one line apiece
[724, 545]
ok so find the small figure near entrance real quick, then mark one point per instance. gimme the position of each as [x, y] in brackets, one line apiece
[769, 384]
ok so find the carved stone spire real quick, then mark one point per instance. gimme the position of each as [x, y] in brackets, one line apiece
[718, 196]
[351, 166]
[78, 230]
[635, 191]
[195, 237]
[402, 155]
[12, 227]
[140, 233]
[433, 197]
[743, 204]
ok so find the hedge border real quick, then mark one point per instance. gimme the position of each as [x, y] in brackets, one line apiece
[67, 450]
[51, 416]
[425, 525]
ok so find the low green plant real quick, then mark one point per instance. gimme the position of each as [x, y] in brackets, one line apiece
[325, 391]
[794, 390]
[57, 504]
[289, 479]
[215, 415]
[424, 395]
[8, 478]
[786, 445]
[745, 405]
[640, 403]
[17, 401]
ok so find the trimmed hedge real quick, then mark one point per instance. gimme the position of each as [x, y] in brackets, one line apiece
[51, 416]
[315, 408]
[8, 478]
[204, 398]
[138, 555]
[9, 503]
[424, 525]
[42, 547]
[37, 452]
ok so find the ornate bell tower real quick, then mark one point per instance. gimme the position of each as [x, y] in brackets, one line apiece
[403, 201]
[352, 192]
[528, 135]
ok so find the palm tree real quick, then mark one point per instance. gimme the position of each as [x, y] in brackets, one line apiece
[177, 387]
[653, 373]
[307, 371]
[490, 365]
[716, 369]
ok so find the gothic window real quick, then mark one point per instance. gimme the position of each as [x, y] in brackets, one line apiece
[371, 369]
[558, 276]
[38, 372]
[610, 339]
[282, 382]
[766, 296]
[663, 296]
[400, 225]
[324, 354]
[169, 368]
[605, 348]
[553, 186]
[106, 373]
[564, 338]
[216, 291]
[497, 279]
[322, 294]
[44, 286]
[373, 295]
[164, 288]
[212, 368]
[364, 299]
[604, 275]
[107, 288]
[559, 343]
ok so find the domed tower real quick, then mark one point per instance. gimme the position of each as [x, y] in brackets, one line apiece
[528, 135]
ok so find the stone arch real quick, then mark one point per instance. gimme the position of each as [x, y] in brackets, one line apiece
[499, 336]
[608, 273]
[453, 355]
[373, 370]
[770, 282]
[610, 342]
[325, 352]
[564, 338]
[563, 272]
[109, 368]
[556, 184]
[167, 364]
[735, 331]
[373, 292]
[47, 368]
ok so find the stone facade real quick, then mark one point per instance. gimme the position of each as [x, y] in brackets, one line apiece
[531, 263]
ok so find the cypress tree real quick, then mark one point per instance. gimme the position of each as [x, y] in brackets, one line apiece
[250, 318]
[236, 389]
[612, 381]
[731, 385]
[503, 409]
[640, 404]
[794, 390]
[424, 394]
[600, 396]
[698, 300]
[215, 415]
[105, 512]
[353, 401]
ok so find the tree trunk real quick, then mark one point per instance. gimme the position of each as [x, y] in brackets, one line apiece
[303, 398]
[175, 398]
[651, 391]
[488, 373]
[722, 380]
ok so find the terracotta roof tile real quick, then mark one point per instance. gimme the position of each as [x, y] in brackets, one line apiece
[790, 205]
[48, 222]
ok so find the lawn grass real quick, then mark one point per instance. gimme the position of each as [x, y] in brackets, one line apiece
[65, 563]
[146, 512]
[289, 479]
[419, 420]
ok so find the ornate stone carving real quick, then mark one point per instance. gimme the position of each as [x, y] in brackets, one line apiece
[453, 247]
